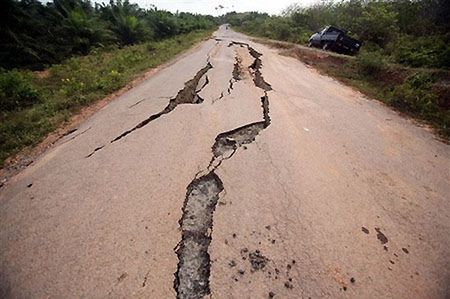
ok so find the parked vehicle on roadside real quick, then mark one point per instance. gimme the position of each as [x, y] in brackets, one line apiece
[334, 39]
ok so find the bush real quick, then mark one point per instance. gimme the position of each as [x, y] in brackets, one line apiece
[16, 90]
[371, 64]
[444, 58]
[415, 95]
[427, 51]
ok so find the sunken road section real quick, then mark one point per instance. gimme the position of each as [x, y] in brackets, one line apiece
[255, 67]
[202, 195]
[192, 276]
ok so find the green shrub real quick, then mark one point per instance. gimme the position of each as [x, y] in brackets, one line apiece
[150, 46]
[427, 51]
[415, 96]
[370, 64]
[444, 58]
[16, 90]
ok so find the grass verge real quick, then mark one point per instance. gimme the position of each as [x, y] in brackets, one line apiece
[35, 104]
[418, 92]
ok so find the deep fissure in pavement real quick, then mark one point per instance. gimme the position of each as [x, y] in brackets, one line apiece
[192, 276]
[188, 95]
[234, 43]
[227, 143]
[236, 74]
[237, 69]
[258, 78]
[202, 195]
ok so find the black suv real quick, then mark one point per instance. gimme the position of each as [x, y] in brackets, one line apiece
[335, 39]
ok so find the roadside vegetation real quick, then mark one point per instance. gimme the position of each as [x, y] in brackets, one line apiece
[405, 58]
[57, 58]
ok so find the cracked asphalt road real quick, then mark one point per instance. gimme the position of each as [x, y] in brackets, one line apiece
[259, 178]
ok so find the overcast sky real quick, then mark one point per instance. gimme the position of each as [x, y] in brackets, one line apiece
[209, 6]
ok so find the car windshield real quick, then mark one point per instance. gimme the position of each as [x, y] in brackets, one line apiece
[333, 30]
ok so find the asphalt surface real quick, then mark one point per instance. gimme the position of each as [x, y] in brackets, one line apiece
[232, 173]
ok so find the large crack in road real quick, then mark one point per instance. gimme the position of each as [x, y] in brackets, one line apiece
[188, 95]
[235, 74]
[202, 195]
[258, 78]
[227, 143]
[254, 70]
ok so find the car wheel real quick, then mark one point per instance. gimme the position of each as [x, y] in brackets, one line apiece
[310, 44]
[325, 47]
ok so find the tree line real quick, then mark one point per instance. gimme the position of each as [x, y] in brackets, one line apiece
[411, 32]
[35, 35]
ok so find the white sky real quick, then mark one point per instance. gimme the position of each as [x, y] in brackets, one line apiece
[208, 6]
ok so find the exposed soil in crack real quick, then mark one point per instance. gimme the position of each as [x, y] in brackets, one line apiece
[234, 43]
[237, 70]
[258, 79]
[227, 143]
[192, 276]
[231, 140]
[260, 82]
[236, 74]
[265, 106]
[202, 196]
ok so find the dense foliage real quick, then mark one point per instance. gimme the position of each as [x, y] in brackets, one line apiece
[35, 35]
[411, 32]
